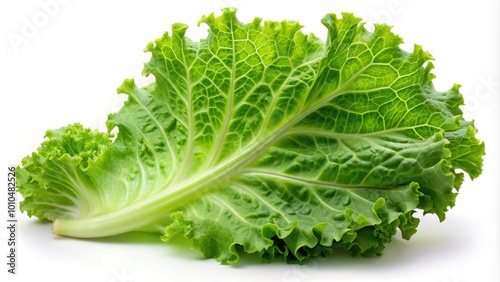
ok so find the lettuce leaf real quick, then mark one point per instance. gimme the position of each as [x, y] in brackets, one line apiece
[261, 139]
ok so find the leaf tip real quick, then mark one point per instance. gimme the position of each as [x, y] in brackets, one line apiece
[127, 86]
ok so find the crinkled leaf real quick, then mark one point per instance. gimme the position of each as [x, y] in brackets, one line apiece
[261, 139]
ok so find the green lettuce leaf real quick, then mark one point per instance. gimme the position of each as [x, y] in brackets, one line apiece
[261, 139]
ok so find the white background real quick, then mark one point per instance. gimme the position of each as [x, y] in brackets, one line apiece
[62, 64]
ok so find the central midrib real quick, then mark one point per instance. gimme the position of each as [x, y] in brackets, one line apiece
[152, 209]
[156, 207]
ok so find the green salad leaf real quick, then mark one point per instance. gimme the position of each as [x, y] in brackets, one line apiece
[261, 139]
